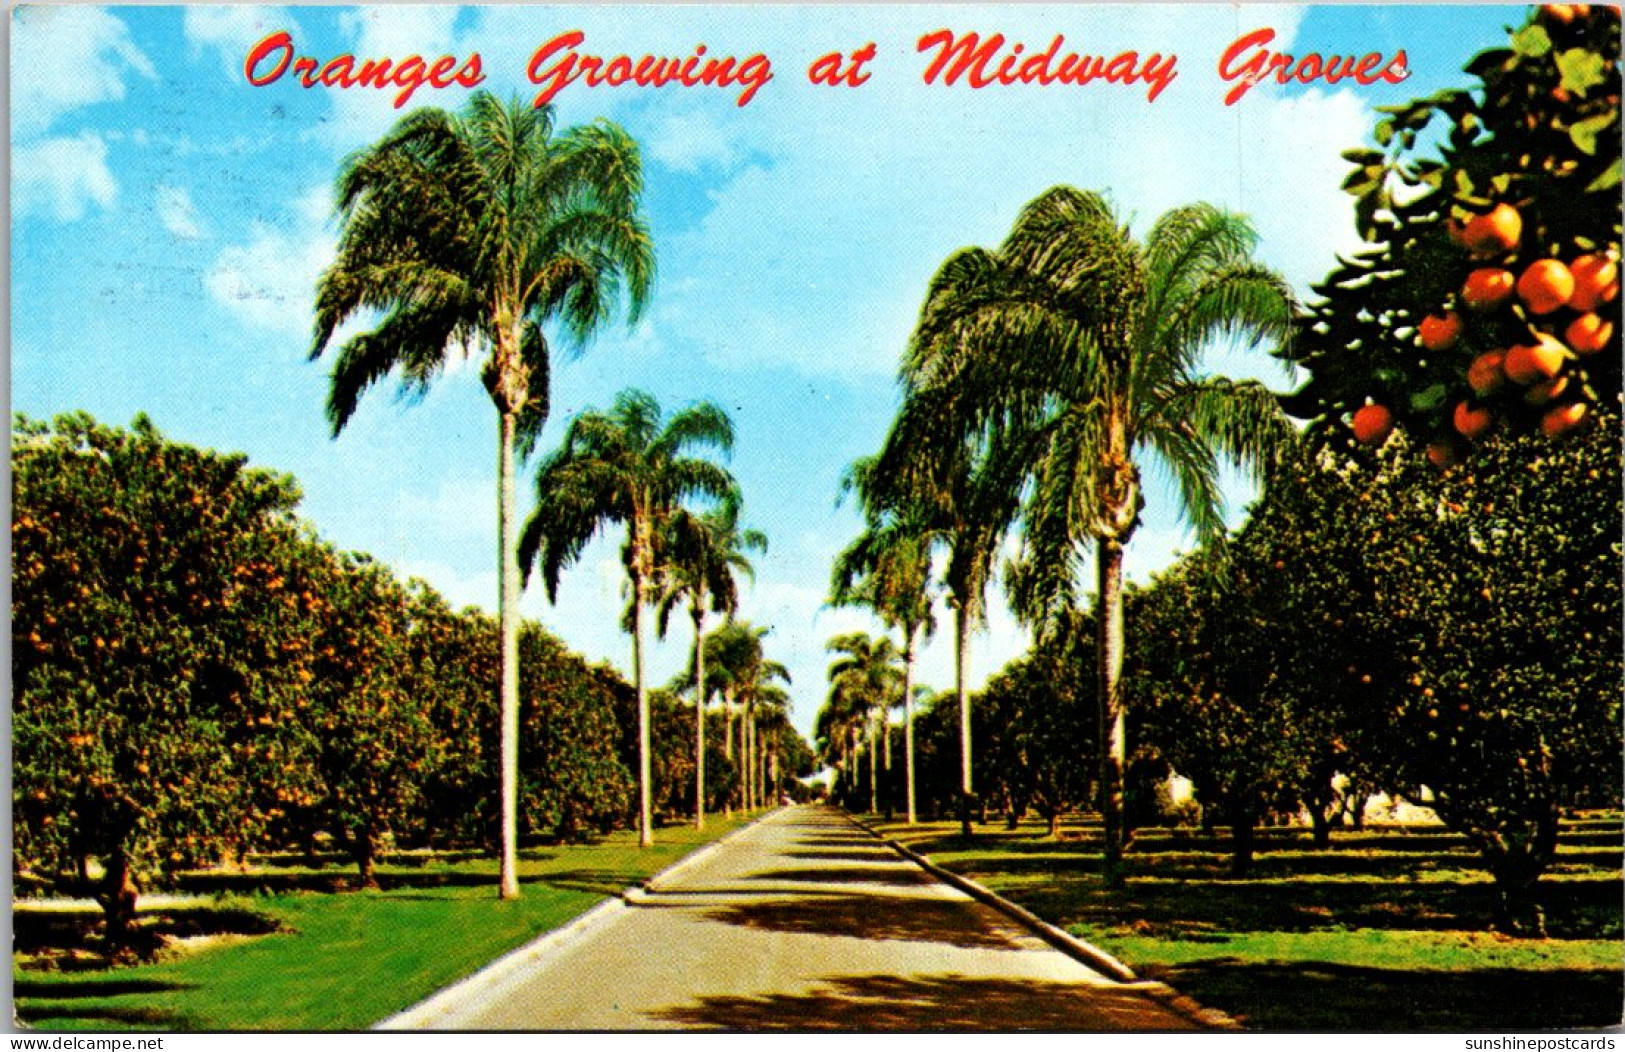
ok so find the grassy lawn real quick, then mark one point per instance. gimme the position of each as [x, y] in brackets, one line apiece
[345, 961]
[1385, 932]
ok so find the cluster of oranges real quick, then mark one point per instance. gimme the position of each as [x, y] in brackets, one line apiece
[1560, 302]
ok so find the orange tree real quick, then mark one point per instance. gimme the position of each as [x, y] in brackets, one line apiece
[576, 778]
[1497, 593]
[452, 661]
[1219, 692]
[1454, 640]
[374, 742]
[1036, 722]
[159, 653]
[1488, 298]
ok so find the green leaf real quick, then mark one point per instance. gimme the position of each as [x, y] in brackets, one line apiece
[1488, 61]
[1363, 157]
[1607, 180]
[1585, 132]
[1384, 132]
[1531, 41]
[1429, 398]
[1582, 70]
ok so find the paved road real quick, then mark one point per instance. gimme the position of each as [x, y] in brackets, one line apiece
[805, 921]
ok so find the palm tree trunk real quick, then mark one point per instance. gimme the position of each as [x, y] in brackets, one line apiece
[749, 729]
[699, 711]
[1109, 560]
[908, 717]
[508, 625]
[874, 781]
[646, 833]
[728, 743]
[961, 656]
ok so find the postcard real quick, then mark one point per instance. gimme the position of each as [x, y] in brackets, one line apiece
[884, 518]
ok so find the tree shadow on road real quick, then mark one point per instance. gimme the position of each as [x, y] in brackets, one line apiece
[877, 854]
[953, 922]
[947, 1002]
[899, 875]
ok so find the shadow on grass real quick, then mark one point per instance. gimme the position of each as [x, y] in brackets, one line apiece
[274, 882]
[157, 1018]
[60, 991]
[949, 1002]
[597, 881]
[960, 923]
[1333, 997]
[36, 930]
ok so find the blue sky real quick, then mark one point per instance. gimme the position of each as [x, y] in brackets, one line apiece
[170, 220]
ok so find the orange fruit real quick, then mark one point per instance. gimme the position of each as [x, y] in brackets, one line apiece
[1545, 286]
[1470, 422]
[1540, 394]
[1372, 424]
[1589, 333]
[1440, 331]
[1441, 454]
[1563, 419]
[1485, 374]
[1533, 363]
[1596, 281]
[1496, 231]
[1487, 287]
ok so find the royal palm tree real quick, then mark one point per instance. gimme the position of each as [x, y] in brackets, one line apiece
[888, 570]
[1082, 347]
[758, 689]
[479, 232]
[868, 674]
[962, 489]
[704, 551]
[628, 467]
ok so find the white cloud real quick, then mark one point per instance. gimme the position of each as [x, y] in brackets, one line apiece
[361, 115]
[177, 212]
[270, 280]
[232, 30]
[68, 57]
[687, 141]
[62, 177]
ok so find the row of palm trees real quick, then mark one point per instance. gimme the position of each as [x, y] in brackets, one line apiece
[488, 231]
[1039, 377]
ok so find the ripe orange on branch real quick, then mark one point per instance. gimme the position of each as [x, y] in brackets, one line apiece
[1589, 333]
[1496, 231]
[1534, 363]
[1471, 422]
[1487, 287]
[1372, 424]
[1549, 391]
[1596, 281]
[1564, 418]
[1546, 285]
[1485, 375]
[1440, 331]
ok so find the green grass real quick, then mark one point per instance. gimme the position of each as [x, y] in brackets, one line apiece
[346, 961]
[1387, 931]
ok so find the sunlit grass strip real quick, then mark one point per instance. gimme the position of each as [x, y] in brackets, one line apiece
[352, 959]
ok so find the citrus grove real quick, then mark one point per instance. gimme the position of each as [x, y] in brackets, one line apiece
[198, 676]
